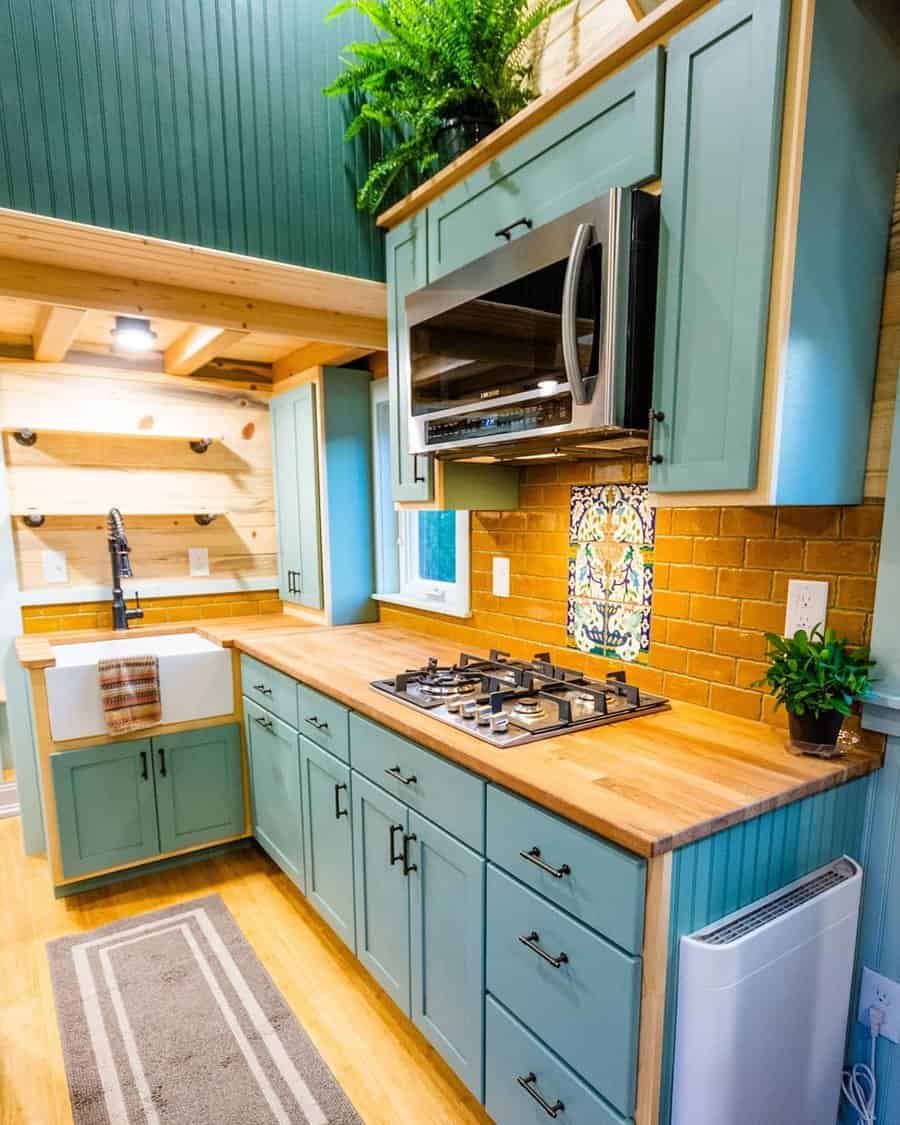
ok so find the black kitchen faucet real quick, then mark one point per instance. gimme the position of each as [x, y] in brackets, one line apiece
[121, 568]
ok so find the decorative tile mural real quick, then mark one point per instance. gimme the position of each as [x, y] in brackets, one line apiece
[611, 534]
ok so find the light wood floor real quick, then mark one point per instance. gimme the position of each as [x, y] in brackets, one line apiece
[387, 1069]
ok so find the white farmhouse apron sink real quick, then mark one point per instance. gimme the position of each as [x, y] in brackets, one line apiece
[194, 681]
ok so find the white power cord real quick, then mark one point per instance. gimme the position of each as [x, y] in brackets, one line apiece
[858, 1084]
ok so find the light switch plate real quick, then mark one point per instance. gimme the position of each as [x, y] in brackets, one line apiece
[55, 567]
[807, 606]
[501, 577]
[884, 993]
[198, 562]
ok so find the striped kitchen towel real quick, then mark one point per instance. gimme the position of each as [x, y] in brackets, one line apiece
[129, 692]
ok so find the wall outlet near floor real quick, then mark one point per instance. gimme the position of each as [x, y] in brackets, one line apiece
[54, 566]
[198, 562]
[884, 993]
[501, 577]
[807, 606]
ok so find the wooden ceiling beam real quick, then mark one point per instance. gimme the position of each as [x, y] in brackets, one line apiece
[60, 285]
[316, 355]
[54, 331]
[198, 345]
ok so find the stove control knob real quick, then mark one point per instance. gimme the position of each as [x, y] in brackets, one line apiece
[484, 716]
[468, 709]
[499, 723]
[453, 706]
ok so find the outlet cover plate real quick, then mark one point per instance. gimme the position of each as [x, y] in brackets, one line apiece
[807, 606]
[54, 565]
[501, 577]
[198, 562]
[884, 993]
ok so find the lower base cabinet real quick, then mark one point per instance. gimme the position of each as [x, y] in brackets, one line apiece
[328, 838]
[275, 789]
[122, 802]
[525, 1083]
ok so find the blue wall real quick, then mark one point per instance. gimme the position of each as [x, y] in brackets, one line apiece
[198, 121]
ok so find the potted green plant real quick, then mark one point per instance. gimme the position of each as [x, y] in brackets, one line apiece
[817, 677]
[439, 76]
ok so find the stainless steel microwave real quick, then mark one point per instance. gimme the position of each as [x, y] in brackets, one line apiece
[544, 344]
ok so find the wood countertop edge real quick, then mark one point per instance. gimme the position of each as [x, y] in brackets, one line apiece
[398, 718]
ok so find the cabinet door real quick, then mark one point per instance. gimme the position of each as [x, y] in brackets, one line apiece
[381, 888]
[105, 806]
[275, 789]
[447, 932]
[296, 465]
[411, 474]
[328, 838]
[199, 786]
[724, 80]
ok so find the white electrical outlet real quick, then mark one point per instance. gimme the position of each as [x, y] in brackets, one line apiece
[501, 577]
[198, 562]
[807, 606]
[880, 992]
[54, 566]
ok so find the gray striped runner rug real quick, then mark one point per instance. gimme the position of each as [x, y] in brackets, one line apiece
[170, 1019]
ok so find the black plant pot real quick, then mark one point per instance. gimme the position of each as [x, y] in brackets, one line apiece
[460, 133]
[821, 731]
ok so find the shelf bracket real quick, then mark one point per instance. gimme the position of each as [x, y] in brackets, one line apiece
[201, 444]
[25, 437]
[32, 517]
[204, 519]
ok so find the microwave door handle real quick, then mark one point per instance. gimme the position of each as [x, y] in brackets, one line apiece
[580, 244]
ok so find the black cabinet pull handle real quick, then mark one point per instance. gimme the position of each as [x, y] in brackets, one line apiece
[338, 811]
[315, 721]
[262, 689]
[145, 776]
[393, 855]
[506, 232]
[397, 774]
[654, 458]
[294, 585]
[266, 724]
[528, 1084]
[162, 761]
[533, 855]
[407, 866]
[416, 478]
[530, 941]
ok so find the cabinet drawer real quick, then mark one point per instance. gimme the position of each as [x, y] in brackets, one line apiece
[270, 689]
[446, 794]
[599, 883]
[608, 138]
[582, 997]
[325, 721]
[512, 1056]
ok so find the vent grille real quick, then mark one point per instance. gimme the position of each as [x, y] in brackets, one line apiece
[832, 876]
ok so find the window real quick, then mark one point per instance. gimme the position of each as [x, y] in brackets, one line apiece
[421, 557]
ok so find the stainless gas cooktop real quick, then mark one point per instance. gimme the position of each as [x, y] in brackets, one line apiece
[508, 702]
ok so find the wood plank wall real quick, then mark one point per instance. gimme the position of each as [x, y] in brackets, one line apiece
[159, 479]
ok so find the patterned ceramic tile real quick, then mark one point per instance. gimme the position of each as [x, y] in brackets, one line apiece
[611, 530]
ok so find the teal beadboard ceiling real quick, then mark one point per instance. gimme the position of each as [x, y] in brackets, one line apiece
[199, 121]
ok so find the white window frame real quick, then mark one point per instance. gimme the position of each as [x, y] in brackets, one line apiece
[450, 598]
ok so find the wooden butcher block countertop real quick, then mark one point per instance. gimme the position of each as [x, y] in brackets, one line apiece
[650, 784]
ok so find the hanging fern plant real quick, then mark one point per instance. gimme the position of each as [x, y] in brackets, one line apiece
[433, 65]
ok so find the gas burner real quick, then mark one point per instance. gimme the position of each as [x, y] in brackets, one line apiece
[449, 683]
[528, 705]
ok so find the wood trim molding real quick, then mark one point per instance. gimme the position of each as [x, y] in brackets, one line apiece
[633, 41]
[54, 332]
[655, 956]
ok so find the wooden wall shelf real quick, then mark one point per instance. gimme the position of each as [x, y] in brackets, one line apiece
[26, 435]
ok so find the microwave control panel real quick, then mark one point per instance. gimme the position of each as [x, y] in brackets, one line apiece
[517, 418]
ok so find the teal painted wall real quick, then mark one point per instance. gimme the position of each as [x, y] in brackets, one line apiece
[201, 122]
[728, 871]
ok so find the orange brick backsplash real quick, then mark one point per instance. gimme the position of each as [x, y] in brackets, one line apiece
[157, 611]
[720, 582]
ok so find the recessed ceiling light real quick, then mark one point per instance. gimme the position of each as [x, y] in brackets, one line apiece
[133, 334]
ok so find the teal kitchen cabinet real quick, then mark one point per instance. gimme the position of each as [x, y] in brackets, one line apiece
[764, 364]
[446, 884]
[380, 825]
[323, 494]
[105, 806]
[609, 137]
[275, 789]
[199, 786]
[328, 838]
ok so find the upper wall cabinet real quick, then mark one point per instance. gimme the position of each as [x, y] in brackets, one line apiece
[323, 489]
[778, 175]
